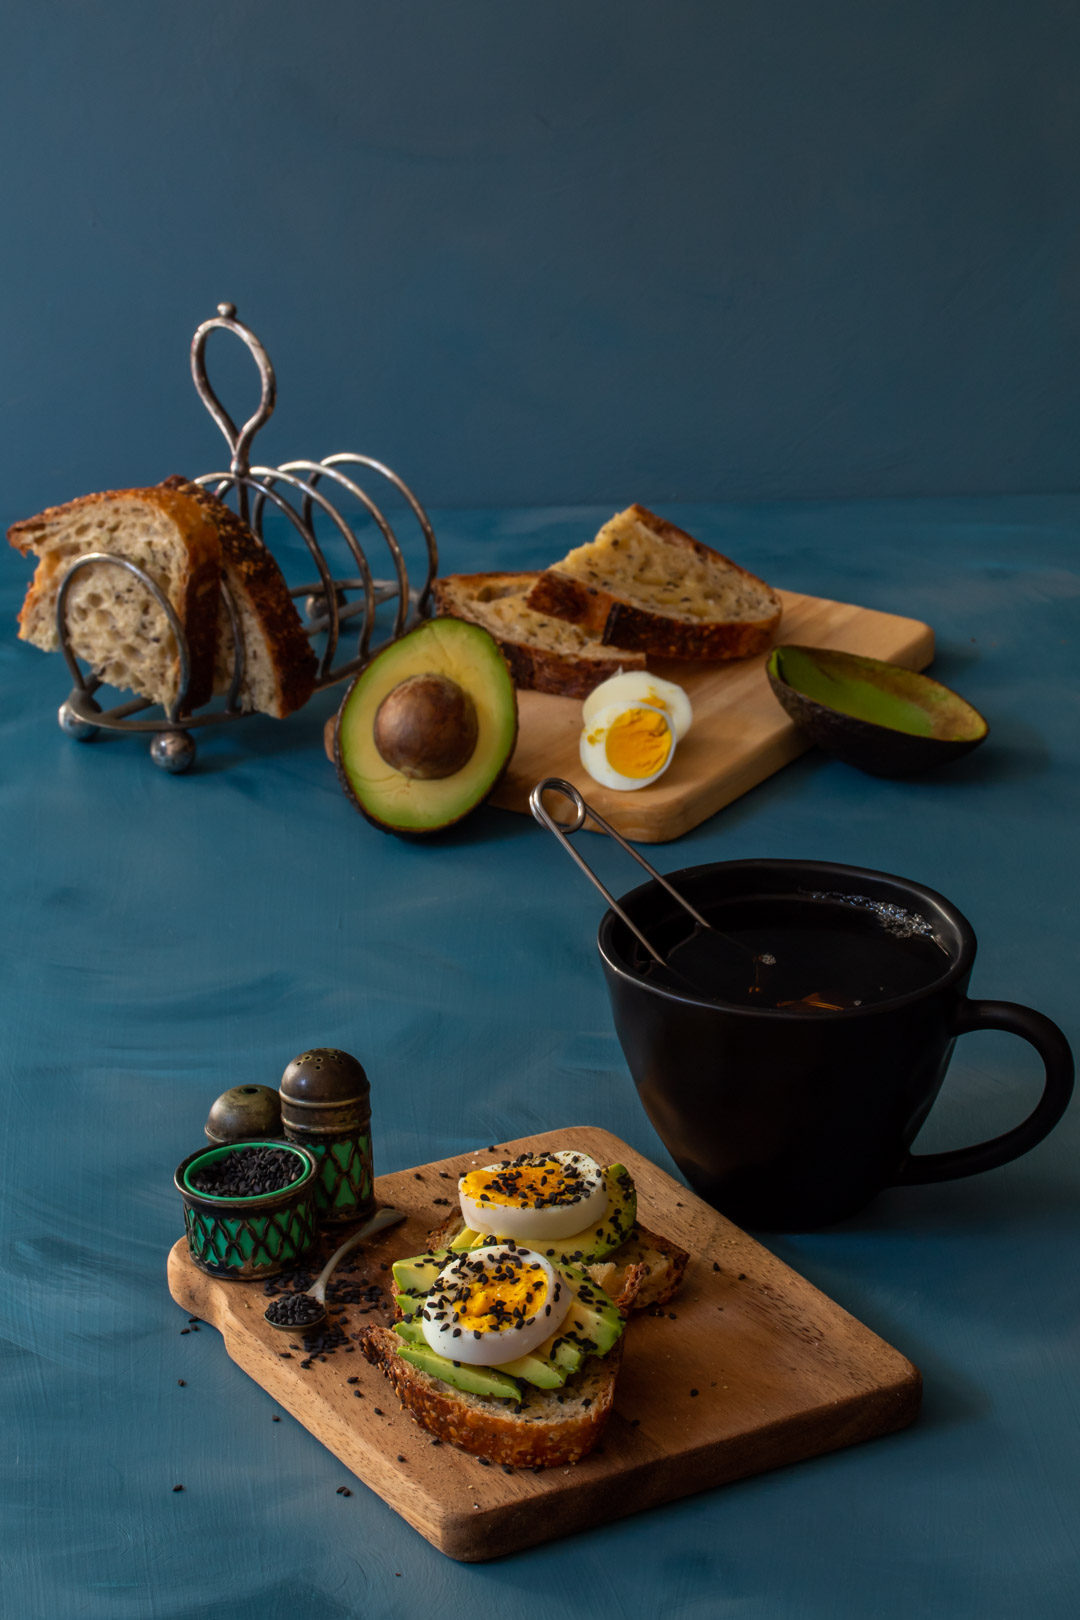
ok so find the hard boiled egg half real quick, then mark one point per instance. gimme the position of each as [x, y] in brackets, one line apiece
[638, 686]
[536, 1196]
[630, 725]
[491, 1305]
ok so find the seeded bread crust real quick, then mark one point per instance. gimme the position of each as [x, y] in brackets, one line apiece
[545, 653]
[646, 586]
[113, 621]
[645, 1270]
[279, 664]
[550, 1428]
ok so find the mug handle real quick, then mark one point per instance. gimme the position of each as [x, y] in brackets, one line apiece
[1051, 1046]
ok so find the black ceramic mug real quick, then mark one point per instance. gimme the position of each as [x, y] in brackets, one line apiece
[793, 1117]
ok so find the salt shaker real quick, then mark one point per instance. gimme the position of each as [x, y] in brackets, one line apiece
[244, 1114]
[326, 1108]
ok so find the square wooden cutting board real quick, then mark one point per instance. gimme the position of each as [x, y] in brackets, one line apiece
[740, 734]
[747, 1369]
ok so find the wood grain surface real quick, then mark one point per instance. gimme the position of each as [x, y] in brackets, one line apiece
[749, 1368]
[740, 734]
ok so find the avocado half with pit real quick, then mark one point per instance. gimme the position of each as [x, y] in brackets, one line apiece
[427, 727]
[879, 717]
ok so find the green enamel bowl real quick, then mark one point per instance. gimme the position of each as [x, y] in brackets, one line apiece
[876, 716]
[245, 1238]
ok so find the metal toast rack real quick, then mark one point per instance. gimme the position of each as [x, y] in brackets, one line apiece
[332, 604]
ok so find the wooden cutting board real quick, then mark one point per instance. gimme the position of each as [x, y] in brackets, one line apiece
[740, 734]
[749, 1368]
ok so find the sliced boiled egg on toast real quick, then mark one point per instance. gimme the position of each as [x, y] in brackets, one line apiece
[490, 1306]
[536, 1197]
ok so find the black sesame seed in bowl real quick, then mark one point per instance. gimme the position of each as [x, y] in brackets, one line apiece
[247, 1172]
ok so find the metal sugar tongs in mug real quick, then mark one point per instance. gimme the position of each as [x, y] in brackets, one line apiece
[712, 948]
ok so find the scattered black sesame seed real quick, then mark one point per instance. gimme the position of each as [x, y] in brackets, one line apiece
[343, 1490]
[178, 1487]
[742, 1276]
[275, 1418]
[400, 1458]
[182, 1382]
[378, 1411]
[693, 1392]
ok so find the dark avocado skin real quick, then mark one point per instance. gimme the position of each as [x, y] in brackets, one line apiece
[876, 749]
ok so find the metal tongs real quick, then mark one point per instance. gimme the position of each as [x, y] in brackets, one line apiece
[711, 947]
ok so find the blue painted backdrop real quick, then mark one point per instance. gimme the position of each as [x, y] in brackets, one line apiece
[562, 252]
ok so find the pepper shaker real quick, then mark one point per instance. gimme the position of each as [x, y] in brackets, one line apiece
[326, 1108]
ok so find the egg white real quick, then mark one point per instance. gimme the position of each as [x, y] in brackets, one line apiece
[634, 686]
[491, 1347]
[593, 748]
[536, 1222]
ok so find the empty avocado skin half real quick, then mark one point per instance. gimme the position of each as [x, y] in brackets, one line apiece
[879, 717]
[405, 802]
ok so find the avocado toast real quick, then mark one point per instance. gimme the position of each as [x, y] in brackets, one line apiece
[543, 1407]
[635, 1266]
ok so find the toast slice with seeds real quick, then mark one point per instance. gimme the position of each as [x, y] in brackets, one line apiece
[113, 622]
[647, 586]
[547, 1429]
[279, 664]
[545, 654]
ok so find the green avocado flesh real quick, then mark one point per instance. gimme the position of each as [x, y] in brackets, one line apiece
[591, 1328]
[472, 1380]
[459, 653]
[881, 694]
[587, 1247]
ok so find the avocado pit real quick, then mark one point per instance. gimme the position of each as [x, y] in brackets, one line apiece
[426, 727]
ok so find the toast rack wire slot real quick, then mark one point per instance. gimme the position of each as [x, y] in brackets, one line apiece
[330, 603]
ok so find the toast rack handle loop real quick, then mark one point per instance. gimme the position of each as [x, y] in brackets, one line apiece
[562, 830]
[239, 440]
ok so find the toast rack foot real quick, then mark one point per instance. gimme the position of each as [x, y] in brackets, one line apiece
[73, 724]
[173, 751]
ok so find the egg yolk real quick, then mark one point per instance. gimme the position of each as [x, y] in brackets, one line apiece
[501, 1297]
[525, 1186]
[638, 743]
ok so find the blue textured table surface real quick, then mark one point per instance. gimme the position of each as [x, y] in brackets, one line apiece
[167, 937]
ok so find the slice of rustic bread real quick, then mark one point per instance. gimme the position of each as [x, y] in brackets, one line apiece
[646, 586]
[545, 654]
[279, 664]
[113, 621]
[548, 1428]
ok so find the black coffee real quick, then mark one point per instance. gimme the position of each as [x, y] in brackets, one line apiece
[813, 953]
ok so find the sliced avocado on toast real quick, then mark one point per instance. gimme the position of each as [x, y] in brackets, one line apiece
[592, 1327]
